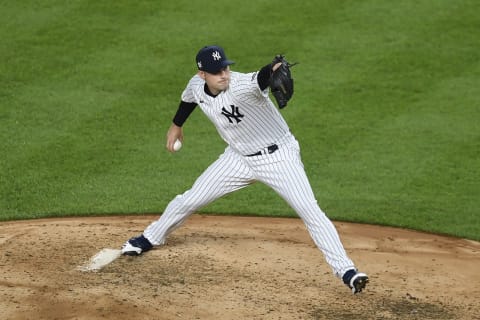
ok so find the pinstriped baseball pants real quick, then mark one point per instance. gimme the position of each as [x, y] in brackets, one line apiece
[283, 171]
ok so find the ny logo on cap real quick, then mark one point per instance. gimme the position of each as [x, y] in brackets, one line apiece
[216, 55]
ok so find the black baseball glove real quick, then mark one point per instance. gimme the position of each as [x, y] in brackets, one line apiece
[281, 82]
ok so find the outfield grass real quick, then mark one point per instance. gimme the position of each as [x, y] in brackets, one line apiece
[386, 105]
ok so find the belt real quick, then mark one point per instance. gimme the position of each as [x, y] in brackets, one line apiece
[269, 150]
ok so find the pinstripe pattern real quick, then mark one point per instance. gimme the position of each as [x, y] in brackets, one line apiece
[262, 123]
[254, 125]
[283, 171]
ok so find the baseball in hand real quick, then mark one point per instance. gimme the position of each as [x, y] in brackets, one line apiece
[177, 145]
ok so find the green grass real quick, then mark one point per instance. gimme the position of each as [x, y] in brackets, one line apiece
[386, 106]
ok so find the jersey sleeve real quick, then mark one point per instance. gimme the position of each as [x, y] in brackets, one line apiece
[188, 95]
[247, 84]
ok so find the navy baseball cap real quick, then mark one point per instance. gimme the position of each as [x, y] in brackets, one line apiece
[212, 59]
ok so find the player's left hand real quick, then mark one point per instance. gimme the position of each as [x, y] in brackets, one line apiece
[281, 81]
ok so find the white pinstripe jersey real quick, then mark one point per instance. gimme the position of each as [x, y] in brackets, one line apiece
[244, 116]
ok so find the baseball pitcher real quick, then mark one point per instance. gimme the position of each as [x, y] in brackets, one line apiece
[260, 147]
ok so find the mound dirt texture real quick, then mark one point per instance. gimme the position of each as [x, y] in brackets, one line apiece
[219, 267]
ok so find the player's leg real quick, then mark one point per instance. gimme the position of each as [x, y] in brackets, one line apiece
[284, 172]
[293, 188]
[227, 174]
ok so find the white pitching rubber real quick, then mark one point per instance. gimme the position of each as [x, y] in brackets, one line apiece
[100, 260]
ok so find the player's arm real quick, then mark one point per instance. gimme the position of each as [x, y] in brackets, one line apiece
[263, 77]
[175, 131]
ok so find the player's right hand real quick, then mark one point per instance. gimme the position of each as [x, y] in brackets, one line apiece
[175, 132]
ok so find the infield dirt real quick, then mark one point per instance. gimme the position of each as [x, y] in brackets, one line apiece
[219, 267]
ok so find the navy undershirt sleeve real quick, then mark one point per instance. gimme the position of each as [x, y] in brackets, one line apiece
[183, 112]
[263, 76]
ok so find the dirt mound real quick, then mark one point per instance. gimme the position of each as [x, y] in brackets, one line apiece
[217, 267]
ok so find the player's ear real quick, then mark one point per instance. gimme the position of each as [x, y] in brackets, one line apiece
[201, 74]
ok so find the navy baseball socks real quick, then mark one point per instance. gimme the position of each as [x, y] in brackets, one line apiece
[136, 245]
[355, 280]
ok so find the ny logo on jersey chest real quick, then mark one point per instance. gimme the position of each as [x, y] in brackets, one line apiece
[233, 114]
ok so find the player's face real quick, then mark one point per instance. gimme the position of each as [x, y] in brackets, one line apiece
[217, 82]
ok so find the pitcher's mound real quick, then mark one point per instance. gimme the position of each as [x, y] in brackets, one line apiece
[219, 267]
